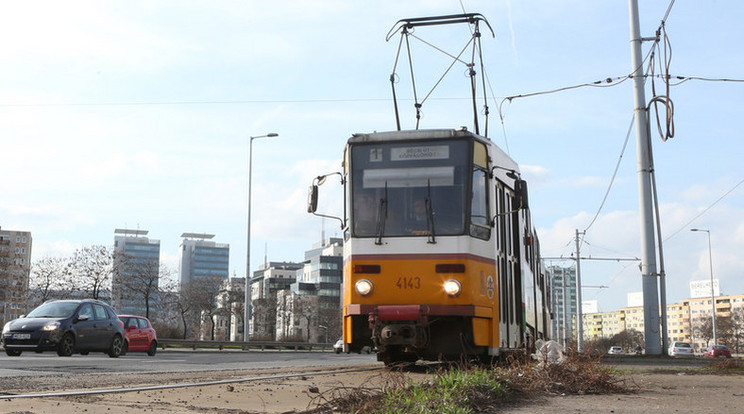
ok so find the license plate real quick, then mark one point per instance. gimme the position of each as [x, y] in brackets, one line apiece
[22, 336]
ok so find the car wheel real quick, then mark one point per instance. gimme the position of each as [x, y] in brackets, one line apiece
[338, 351]
[153, 348]
[117, 344]
[84, 352]
[66, 346]
[124, 348]
[12, 352]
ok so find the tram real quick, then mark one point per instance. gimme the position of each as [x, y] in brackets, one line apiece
[441, 259]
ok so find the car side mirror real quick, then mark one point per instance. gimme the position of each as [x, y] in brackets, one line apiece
[82, 318]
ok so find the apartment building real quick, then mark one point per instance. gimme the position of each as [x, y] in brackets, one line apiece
[15, 272]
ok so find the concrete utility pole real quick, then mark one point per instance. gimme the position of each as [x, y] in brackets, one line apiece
[648, 250]
[579, 311]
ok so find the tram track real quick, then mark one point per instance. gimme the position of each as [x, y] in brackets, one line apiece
[88, 392]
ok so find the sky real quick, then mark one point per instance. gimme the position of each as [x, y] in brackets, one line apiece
[137, 114]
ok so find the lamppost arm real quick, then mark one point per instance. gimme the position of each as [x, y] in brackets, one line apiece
[248, 307]
[712, 290]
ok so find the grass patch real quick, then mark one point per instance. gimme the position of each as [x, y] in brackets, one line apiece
[733, 366]
[477, 389]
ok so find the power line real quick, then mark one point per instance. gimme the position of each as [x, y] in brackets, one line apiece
[683, 227]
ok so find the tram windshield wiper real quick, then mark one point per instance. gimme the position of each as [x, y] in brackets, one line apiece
[381, 216]
[429, 215]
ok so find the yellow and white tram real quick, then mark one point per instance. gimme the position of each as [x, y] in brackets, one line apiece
[441, 259]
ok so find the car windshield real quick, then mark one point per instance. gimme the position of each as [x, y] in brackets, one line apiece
[54, 310]
[683, 345]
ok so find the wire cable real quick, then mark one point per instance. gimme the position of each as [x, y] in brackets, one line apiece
[683, 227]
[614, 174]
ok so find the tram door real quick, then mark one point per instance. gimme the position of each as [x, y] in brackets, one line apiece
[507, 253]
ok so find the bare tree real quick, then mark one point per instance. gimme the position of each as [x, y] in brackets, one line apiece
[141, 281]
[198, 299]
[737, 319]
[628, 339]
[307, 310]
[265, 312]
[704, 329]
[330, 317]
[231, 305]
[284, 308]
[237, 308]
[47, 276]
[90, 269]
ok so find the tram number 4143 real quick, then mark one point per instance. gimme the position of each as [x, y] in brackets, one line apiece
[409, 283]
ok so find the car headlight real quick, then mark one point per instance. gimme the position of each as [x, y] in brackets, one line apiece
[51, 326]
[6, 328]
[363, 287]
[452, 287]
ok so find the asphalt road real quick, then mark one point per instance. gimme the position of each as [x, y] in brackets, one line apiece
[32, 364]
[173, 360]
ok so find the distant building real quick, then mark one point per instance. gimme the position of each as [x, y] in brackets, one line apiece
[270, 278]
[201, 258]
[231, 312]
[136, 276]
[297, 317]
[15, 272]
[686, 320]
[321, 276]
[299, 301]
[563, 298]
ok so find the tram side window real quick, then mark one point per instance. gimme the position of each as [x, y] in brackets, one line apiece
[479, 207]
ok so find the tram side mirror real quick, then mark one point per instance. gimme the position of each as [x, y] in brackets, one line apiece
[520, 194]
[312, 199]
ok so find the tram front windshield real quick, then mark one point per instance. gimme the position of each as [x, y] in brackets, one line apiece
[410, 188]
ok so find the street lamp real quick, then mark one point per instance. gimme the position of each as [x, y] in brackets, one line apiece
[248, 308]
[712, 292]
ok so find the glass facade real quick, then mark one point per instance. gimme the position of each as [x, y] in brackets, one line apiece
[203, 259]
[136, 272]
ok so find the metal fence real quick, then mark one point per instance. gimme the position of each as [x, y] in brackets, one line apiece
[165, 343]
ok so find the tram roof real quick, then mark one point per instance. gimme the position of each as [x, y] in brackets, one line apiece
[415, 134]
[499, 156]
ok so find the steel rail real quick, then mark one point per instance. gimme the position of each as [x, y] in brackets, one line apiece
[172, 386]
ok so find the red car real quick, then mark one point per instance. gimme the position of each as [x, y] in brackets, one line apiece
[141, 336]
[717, 351]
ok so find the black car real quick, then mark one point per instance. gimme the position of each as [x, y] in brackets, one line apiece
[66, 326]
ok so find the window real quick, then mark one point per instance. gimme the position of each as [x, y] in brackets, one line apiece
[411, 188]
[100, 312]
[87, 311]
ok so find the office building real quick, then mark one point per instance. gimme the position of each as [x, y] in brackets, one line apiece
[136, 276]
[203, 259]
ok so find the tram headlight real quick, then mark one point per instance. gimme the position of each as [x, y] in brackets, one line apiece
[452, 287]
[363, 287]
